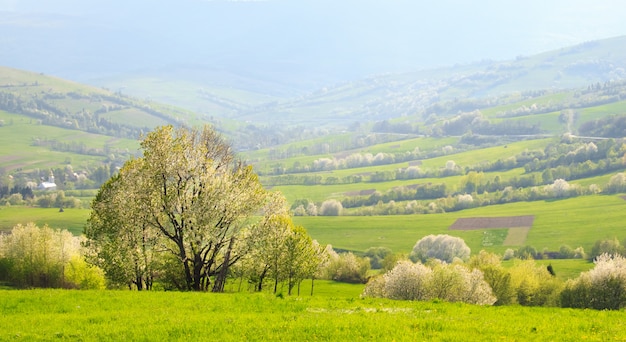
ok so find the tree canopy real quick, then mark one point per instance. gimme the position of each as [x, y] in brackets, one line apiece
[188, 196]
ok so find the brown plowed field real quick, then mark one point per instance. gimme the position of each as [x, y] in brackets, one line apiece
[360, 192]
[471, 223]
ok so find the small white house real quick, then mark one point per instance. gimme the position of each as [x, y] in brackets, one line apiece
[49, 185]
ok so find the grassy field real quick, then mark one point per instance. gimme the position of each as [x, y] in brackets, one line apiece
[175, 316]
[71, 219]
[463, 159]
[18, 151]
[575, 222]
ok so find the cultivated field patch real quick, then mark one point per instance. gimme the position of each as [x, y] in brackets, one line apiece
[366, 192]
[517, 226]
[516, 236]
[494, 237]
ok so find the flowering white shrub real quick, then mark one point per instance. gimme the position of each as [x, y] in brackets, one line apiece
[603, 287]
[496, 275]
[560, 188]
[508, 254]
[375, 287]
[454, 283]
[407, 281]
[443, 247]
[475, 290]
[450, 165]
[331, 207]
[311, 209]
[617, 183]
[465, 199]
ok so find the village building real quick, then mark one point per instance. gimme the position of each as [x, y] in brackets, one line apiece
[49, 185]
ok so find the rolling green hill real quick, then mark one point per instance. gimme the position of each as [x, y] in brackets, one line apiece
[380, 97]
[47, 123]
[422, 152]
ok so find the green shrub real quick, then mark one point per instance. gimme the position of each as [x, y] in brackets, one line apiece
[347, 268]
[607, 246]
[83, 276]
[601, 288]
[36, 257]
[533, 285]
[377, 255]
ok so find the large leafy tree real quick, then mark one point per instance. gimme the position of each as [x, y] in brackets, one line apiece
[191, 194]
[123, 243]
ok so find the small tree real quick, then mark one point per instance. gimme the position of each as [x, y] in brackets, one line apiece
[498, 278]
[617, 183]
[331, 207]
[607, 246]
[377, 255]
[527, 252]
[443, 247]
[533, 284]
[121, 241]
[193, 194]
[348, 268]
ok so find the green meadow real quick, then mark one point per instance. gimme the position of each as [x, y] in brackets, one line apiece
[575, 222]
[71, 219]
[47, 315]
[23, 132]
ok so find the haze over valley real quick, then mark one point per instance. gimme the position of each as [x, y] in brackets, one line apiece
[282, 62]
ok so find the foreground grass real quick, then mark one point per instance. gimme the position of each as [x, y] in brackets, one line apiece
[123, 315]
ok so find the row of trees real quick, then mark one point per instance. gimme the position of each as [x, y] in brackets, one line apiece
[567, 160]
[433, 198]
[280, 255]
[51, 109]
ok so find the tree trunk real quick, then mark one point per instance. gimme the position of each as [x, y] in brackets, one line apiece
[312, 284]
[220, 281]
[188, 275]
[197, 272]
[139, 283]
[261, 279]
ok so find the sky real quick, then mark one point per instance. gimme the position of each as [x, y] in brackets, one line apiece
[341, 39]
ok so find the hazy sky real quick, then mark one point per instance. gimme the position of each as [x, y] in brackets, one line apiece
[347, 37]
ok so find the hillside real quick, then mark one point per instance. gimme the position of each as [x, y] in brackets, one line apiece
[79, 133]
[460, 146]
[63, 103]
[245, 97]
